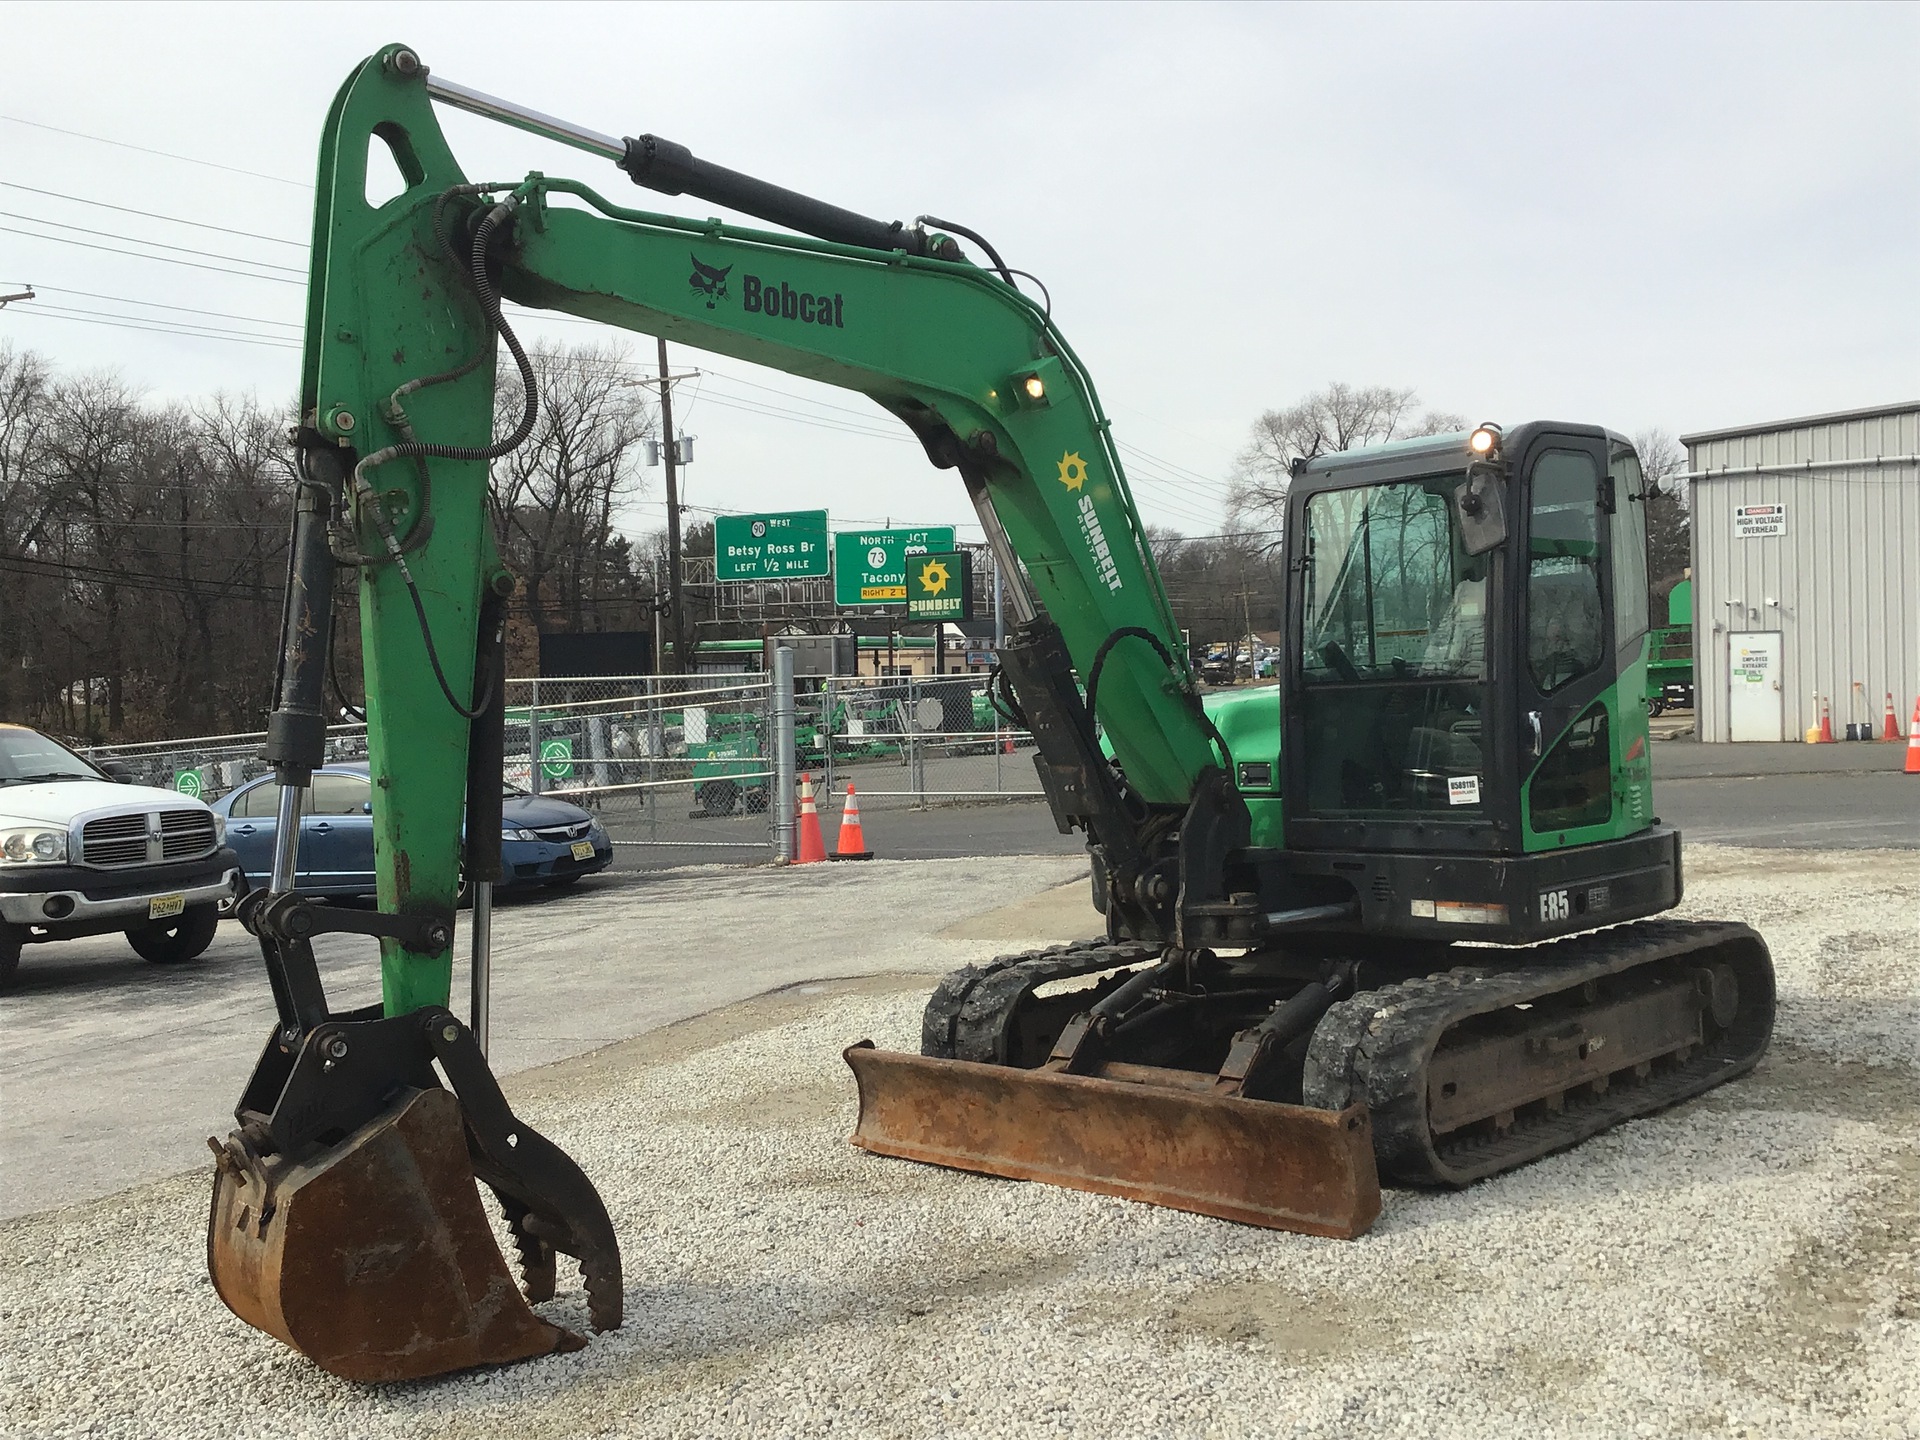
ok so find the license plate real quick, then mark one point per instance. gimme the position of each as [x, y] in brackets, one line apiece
[583, 850]
[165, 907]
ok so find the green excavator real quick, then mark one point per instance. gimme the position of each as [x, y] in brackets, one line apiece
[1388, 919]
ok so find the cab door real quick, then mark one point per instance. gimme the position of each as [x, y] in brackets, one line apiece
[1566, 678]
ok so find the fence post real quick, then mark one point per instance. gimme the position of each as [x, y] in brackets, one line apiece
[825, 729]
[533, 740]
[783, 781]
[916, 746]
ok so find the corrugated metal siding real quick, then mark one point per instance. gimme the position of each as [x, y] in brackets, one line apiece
[1846, 575]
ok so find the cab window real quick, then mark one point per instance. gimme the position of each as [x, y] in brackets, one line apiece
[1564, 613]
[1629, 547]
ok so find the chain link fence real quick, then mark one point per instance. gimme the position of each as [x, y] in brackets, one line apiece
[686, 761]
[912, 741]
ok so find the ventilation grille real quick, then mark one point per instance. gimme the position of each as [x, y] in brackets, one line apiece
[185, 834]
[114, 840]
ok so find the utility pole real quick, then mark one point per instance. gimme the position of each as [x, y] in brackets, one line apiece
[669, 450]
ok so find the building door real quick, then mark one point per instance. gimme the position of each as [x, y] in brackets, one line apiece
[1755, 701]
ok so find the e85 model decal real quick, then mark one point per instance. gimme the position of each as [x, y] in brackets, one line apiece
[1557, 905]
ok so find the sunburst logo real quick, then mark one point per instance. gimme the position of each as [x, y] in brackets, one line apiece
[1073, 470]
[934, 576]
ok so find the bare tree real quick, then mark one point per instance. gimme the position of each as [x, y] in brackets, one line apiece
[1669, 523]
[555, 498]
[1340, 417]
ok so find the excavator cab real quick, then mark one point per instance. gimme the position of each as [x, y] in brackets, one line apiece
[1466, 697]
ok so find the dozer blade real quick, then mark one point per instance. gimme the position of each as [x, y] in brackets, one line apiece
[1285, 1167]
[373, 1258]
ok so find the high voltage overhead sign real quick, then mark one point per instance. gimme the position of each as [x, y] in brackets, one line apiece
[870, 566]
[784, 546]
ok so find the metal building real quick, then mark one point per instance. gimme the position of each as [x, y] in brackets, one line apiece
[1806, 570]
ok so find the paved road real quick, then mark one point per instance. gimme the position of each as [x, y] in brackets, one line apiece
[115, 1071]
[1846, 796]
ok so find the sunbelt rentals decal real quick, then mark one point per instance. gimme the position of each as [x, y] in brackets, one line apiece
[1073, 475]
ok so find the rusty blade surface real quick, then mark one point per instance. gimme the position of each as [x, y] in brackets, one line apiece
[374, 1258]
[1285, 1167]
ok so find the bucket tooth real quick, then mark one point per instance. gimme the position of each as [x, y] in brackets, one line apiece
[373, 1258]
[1284, 1167]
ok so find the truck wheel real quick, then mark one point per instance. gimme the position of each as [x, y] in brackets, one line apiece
[10, 942]
[168, 942]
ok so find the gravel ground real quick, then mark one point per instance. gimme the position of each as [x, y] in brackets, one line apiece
[1744, 1265]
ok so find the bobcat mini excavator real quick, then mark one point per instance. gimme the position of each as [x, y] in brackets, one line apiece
[1387, 919]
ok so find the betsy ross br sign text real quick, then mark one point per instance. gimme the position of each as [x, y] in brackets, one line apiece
[783, 546]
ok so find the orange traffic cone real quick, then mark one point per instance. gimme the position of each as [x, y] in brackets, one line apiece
[852, 844]
[813, 845]
[1913, 742]
[1890, 727]
[1826, 722]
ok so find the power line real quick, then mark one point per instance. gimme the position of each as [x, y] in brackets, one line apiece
[158, 259]
[184, 309]
[156, 215]
[80, 318]
[160, 323]
[156, 244]
[163, 154]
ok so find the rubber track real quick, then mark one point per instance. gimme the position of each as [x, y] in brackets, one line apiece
[967, 1016]
[1376, 1045]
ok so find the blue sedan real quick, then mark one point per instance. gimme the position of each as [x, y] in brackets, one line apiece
[543, 840]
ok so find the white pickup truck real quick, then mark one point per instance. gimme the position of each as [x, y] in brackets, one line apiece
[83, 855]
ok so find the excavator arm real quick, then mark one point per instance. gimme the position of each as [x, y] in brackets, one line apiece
[346, 1118]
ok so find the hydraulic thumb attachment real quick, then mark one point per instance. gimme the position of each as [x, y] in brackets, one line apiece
[345, 1218]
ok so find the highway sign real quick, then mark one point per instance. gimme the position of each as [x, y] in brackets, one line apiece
[783, 546]
[870, 566]
[940, 586]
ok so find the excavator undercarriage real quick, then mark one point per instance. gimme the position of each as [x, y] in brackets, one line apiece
[1266, 1087]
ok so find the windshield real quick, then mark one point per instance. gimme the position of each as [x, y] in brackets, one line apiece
[27, 755]
[1390, 592]
[1394, 653]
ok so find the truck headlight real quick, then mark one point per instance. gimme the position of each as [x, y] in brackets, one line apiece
[33, 846]
[219, 829]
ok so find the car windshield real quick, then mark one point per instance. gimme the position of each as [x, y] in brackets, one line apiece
[27, 756]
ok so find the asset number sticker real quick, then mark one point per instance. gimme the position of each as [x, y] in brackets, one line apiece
[1554, 905]
[583, 850]
[1463, 789]
[165, 907]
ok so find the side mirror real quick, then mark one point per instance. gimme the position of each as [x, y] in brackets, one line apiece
[366, 807]
[1481, 503]
[117, 772]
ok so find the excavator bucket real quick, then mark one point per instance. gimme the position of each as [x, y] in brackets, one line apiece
[1161, 1136]
[373, 1258]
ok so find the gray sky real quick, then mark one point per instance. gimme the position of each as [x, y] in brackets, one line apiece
[1638, 215]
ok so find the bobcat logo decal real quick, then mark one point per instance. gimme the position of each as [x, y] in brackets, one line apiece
[708, 281]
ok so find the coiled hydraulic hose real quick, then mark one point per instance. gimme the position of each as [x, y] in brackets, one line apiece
[411, 447]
